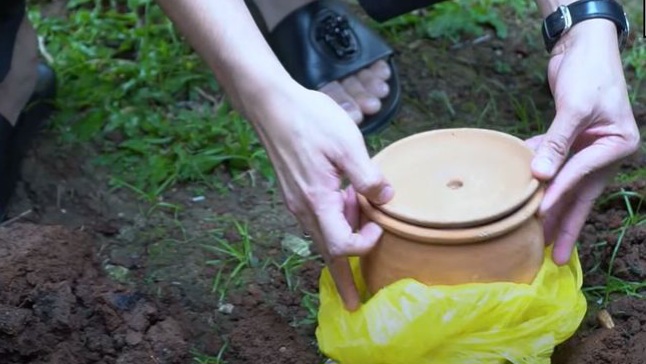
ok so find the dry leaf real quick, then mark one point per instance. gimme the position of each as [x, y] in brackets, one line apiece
[605, 320]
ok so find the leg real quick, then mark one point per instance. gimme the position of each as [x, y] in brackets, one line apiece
[23, 87]
[20, 64]
[382, 10]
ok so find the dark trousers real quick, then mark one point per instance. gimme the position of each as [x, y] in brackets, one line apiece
[11, 15]
[382, 10]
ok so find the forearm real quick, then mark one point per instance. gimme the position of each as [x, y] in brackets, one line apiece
[226, 37]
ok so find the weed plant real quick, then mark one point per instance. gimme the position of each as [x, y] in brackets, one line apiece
[130, 84]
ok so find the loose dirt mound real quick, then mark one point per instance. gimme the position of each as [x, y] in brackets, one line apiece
[626, 342]
[56, 307]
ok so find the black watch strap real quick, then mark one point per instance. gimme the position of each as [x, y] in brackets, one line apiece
[565, 17]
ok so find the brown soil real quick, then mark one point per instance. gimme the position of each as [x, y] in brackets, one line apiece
[626, 342]
[58, 305]
[256, 339]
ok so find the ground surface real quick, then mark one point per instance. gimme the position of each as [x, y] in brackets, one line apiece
[92, 274]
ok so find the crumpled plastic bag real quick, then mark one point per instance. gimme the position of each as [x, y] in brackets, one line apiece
[408, 322]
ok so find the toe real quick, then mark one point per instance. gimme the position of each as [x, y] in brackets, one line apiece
[368, 103]
[360, 94]
[337, 92]
[381, 70]
[374, 84]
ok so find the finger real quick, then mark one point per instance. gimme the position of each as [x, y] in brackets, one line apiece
[368, 103]
[342, 275]
[574, 219]
[365, 177]
[568, 231]
[340, 271]
[583, 164]
[555, 146]
[339, 240]
[351, 207]
[343, 99]
[552, 220]
[342, 242]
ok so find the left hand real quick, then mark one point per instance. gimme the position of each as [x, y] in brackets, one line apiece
[593, 130]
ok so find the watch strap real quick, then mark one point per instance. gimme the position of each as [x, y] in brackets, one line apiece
[566, 16]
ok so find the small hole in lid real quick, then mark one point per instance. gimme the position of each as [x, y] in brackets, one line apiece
[455, 184]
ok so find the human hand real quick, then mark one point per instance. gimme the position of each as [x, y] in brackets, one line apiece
[313, 144]
[593, 130]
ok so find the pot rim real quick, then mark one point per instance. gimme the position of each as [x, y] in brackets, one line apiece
[465, 235]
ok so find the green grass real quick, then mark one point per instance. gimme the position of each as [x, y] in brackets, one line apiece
[457, 19]
[310, 303]
[290, 266]
[624, 177]
[132, 86]
[199, 358]
[529, 120]
[635, 62]
[615, 286]
[232, 257]
[634, 57]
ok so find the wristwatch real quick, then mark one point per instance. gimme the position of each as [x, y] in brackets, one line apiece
[566, 16]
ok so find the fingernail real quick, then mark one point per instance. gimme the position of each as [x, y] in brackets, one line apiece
[543, 165]
[385, 195]
[560, 257]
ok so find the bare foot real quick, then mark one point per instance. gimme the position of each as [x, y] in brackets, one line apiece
[359, 94]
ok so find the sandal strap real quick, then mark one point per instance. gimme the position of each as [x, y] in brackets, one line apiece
[323, 42]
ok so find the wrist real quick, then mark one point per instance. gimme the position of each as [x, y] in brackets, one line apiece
[558, 24]
[594, 33]
[599, 35]
[266, 99]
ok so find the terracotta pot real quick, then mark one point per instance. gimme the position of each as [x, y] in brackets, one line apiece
[464, 211]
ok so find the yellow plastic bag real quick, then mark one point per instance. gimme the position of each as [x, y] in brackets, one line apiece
[411, 323]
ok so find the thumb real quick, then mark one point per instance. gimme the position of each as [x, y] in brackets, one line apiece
[534, 142]
[553, 149]
[366, 178]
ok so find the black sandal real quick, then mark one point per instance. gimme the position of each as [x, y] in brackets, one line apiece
[16, 140]
[323, 42]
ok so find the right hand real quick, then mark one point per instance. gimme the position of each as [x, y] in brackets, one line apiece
[313, 145]
[594, 129]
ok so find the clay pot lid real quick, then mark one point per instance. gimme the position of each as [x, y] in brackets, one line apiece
[451, 178]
